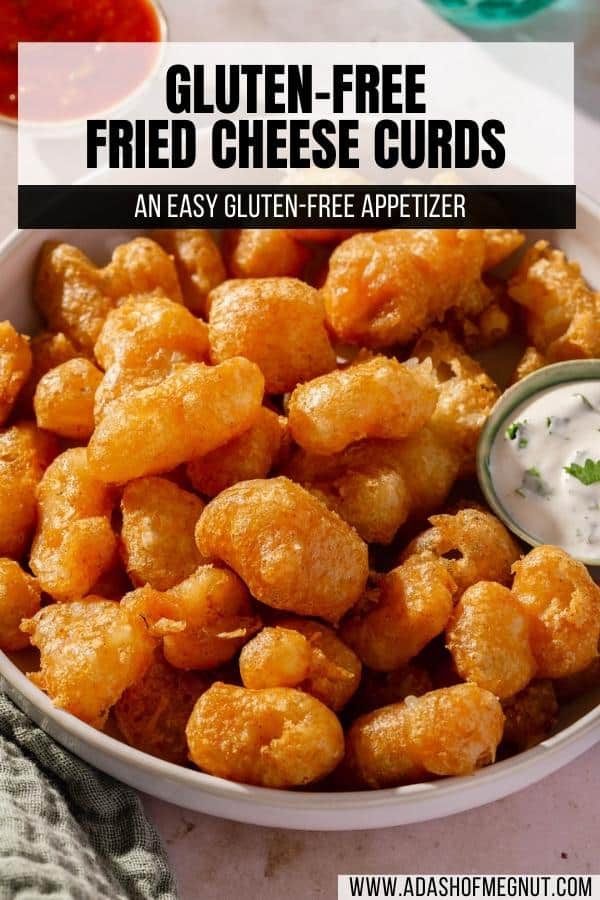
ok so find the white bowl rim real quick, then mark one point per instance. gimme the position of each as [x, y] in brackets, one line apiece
[450, 793]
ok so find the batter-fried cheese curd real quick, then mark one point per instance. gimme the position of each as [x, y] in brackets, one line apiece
[488, 637]
[91, 650]
[75, 296]
[152, 714]
[19, 599]
[157, 536]
[251, 455]
[15, 367]
[278, 323]
[263, 253]
[64, 399]
[74, 542]
[198, 262]
[219, 618]
[562, 313]
[276, 737]
[386, 287]
[380, 398]
[451, 731]
[290, 549]
[473, 544]
[25, 453]
[305, 654]
[413, 605]
[563, 604]
[159, 427]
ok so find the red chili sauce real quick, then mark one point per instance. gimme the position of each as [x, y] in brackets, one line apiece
[67, 20]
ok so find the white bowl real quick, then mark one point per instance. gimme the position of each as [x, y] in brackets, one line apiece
[579, 727]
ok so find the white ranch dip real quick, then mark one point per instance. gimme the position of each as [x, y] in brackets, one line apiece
[545, 467]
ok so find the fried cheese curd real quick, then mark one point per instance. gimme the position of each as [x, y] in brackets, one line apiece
[276, 737]
[278, 323]
[157, 428]
[157, 537]
[466, 394]
[142, 341]
[219, 618]
[263, 253]
[15, 367]
[74, 542]
[74, 296]
[152, 714]
[48, 350]
[384, 288]
[530, 716]
[563, 603]
[251, 455]
[562, 313]
[488, 637]
[198, 261]
[413, 604]
[91, 650]
[473, 544]
[19, 599]
[380, 398]
[377, 485]
[25, 453]
[304, 654]
[292, 551]
[64, 399]
[451, 731]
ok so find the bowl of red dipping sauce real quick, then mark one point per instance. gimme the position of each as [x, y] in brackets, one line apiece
[96, 22]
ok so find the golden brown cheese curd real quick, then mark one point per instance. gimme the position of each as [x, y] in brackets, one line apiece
[15, 366]
[413, 605]
[263, 253]
[494, 323]
[195, 409]
[74, 542]
[48, 350]
[91, 650]
[304, 654]
[219, 619]
[488, 637]
[291, 550]
[466, 394]
[380, 398]
[451, 731]
[157, 537]
[198, 262]
[563, 604]
[386, 287]
[152, 714]
[530, 716]
[75, 296]
[19, 599]
[374, 499]
[64, 399]
[276, 737]
[251, 455]
[473, 544]
[278, 323]
[25, 452]
[562, 312]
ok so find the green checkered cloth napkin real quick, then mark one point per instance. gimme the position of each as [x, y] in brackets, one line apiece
[68, 832]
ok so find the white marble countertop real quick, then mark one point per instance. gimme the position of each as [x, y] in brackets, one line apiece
[551, 827]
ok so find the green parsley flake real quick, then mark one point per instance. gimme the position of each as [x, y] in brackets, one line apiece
[588, 473]
[511, 431]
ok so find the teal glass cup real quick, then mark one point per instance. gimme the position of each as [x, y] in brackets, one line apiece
[482, 13]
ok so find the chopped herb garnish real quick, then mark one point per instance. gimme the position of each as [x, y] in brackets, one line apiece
[534, 472]
[522, 443]
[511, 431]
[588, 473]
[586, 402]
[548, 421]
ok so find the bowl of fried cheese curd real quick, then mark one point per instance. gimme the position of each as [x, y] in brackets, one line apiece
[245, 564]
